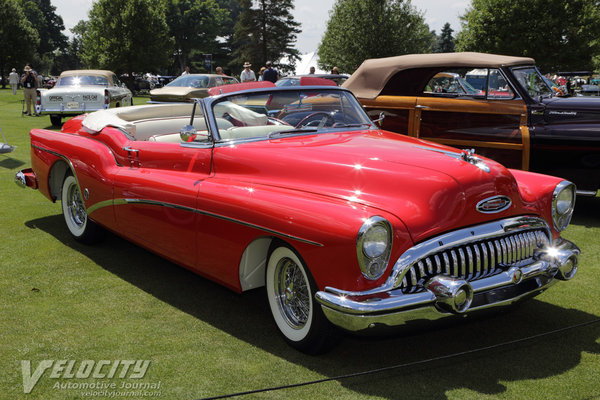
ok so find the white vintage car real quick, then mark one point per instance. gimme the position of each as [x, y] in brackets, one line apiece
[80, 91]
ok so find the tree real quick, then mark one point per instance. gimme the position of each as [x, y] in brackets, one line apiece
[266, 32]
[445, 42]
[226, 45]
[49, 25]
[194, 25]
[130, 36]
[393, 27]
[560, 35]
[18, 38]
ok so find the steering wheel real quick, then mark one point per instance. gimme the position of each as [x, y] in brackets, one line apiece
[327, 117]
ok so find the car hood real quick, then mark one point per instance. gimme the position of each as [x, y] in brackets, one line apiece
[579, 103]
[421, 183]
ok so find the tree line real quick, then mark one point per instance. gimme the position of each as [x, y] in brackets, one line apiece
[560, 35]
[163, 36]
[159, 36]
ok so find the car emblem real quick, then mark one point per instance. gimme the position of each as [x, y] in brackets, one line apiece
[494, 204]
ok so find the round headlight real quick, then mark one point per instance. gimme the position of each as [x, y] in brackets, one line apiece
[373, 246]
[563, 203]
[375, 241]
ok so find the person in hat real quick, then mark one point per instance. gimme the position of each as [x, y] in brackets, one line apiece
[247, 74]
[13, 80]
[30, 84]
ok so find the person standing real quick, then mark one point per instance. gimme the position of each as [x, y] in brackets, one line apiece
[247, 74]
[29, 82]
[186, 71]
[260, 73]
[219, 71]
[270, 73]
[312, 71]
[13, 80]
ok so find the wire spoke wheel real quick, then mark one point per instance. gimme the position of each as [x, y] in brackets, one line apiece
[76, 210]
[292, 293]
[75, 213]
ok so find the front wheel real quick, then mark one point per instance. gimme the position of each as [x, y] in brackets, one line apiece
[75, 214]
[291, 290]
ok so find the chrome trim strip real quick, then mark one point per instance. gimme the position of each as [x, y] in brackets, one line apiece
[99, 205]
[69, 163]
[210, 214]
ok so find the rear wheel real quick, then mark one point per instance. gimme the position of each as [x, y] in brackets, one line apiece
[75, 214]
[55, 120]
[291, 290]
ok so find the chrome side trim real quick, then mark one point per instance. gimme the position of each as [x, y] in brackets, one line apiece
[210, 214]
[69, 163]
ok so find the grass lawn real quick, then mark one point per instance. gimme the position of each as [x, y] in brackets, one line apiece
[61, 300]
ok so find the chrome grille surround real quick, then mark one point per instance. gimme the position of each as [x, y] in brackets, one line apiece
[471, 253]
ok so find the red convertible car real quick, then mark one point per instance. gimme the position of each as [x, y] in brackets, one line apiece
[297, 190]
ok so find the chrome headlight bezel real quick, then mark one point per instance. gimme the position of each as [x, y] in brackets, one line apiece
[374, 246]
[563, 204]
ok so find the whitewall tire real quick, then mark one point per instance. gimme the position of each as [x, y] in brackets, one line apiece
[290, 291]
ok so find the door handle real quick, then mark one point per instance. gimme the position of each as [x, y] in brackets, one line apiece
[420, 107]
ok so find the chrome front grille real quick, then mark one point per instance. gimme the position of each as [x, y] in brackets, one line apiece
[477, 259]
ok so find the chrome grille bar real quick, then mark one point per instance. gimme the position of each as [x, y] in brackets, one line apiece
[479, 259]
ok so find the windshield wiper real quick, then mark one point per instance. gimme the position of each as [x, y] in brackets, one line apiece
[338, 125]
[284, 132]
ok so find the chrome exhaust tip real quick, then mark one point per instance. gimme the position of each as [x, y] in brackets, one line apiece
[452, 295]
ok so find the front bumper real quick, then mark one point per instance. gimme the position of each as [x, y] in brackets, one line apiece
[444, 296]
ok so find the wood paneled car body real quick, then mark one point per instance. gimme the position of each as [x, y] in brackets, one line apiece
[297, 190]
[512, 115]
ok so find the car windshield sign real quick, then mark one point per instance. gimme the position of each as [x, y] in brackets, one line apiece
[263, 114]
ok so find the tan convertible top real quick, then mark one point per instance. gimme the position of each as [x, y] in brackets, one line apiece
[92, 72]
[373, 74]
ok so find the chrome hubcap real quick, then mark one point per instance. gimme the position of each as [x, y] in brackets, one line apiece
[76, 209]
[292, 293]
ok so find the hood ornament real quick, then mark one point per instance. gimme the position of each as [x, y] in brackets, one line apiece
[465, 155]
[469, 156]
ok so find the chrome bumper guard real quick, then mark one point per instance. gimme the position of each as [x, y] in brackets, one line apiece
[446, 295]
[25, 178]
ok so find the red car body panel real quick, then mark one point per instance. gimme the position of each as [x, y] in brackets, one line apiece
[433, 193]
[344, 223]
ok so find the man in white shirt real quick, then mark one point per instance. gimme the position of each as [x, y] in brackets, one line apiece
[247, 74]
[13, 80]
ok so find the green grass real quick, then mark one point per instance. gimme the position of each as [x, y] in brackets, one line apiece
[114, 301]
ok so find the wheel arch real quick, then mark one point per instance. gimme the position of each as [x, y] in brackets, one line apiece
[56, 176]
[254, 262]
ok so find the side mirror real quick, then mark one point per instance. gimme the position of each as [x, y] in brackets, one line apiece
[379, 121]
[187, 133]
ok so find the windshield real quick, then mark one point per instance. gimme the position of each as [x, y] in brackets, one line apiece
[532, 82]
[195, 81]
[82, 80]
[270, 114]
